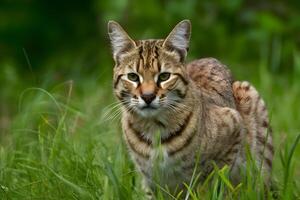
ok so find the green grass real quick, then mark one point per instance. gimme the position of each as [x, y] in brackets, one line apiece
[61, 145]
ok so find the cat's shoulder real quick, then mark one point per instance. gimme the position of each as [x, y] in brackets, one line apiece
[213, 79]
[209, 68]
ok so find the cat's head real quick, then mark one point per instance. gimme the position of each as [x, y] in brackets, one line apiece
[149, 75]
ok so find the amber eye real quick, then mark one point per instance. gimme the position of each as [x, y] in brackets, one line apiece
[164, 76]
[133, 77]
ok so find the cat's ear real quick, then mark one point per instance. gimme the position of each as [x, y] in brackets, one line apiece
[120, 41]
[179, 38]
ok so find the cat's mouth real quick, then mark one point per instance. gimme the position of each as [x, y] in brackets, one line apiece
[148, 107]
[148, 111]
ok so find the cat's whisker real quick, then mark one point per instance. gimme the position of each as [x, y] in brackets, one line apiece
[110, 111]
[190, 122]
[111, 116]
[115, 111]
[175, 109]
[182, 105]
[112, 104]
[112, 108]
[116, 116]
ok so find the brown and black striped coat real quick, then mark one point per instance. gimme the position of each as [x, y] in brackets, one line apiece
[201, 115]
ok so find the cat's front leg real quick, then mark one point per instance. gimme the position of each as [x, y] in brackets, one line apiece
[148, 192]
[227, 135]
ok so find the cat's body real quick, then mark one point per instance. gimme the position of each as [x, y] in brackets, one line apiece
[201, 116]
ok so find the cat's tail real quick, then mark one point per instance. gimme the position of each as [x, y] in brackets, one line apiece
[258, 131]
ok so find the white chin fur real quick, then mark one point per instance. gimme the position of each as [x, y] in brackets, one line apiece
[147, 113]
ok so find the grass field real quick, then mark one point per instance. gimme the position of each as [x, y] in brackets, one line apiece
[62, 144]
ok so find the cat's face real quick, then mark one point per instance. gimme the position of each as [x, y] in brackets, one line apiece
[149, 75]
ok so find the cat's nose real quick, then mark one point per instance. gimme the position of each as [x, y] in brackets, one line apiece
[148, 98]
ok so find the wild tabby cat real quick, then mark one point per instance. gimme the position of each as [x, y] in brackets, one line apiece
[196, 108]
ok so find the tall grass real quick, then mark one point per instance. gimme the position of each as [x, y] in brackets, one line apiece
[60, 146]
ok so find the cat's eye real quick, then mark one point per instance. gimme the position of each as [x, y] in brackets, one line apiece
[164, 76]
[133, 77]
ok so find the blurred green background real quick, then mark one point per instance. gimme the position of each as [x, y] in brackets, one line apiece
[46, 43]
[59, 40]
[56, 73]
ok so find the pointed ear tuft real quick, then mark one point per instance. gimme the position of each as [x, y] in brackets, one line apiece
[178, 39]
[120, 41]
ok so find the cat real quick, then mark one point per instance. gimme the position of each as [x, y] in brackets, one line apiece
[176, 111]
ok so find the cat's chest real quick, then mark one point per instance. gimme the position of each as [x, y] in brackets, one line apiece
[164, 168]
[154, 131]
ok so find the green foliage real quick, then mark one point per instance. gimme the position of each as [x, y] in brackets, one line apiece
[60, 136]
[60, 149]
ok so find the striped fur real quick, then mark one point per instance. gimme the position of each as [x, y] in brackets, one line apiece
[201, 116]
[255, 117]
